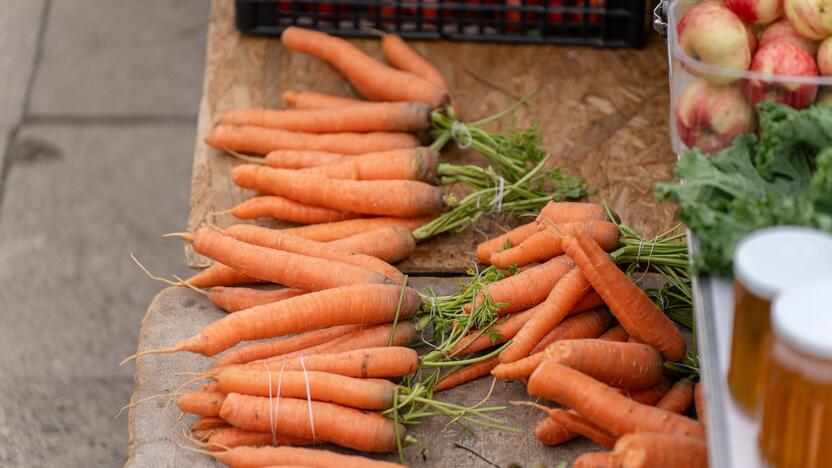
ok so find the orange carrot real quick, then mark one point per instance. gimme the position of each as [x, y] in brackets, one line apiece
[466, 374]
[367, 117]
[206, 404]
[218, 274]
[234, 299]
[597, 460]
[501, 331]
[347, 427]
[211, 387]
[259, 140]
[648, 450]
[268, 349]
[278, 266]
[649, 396]
[313, 100]
[371, 337]
[622, 365]
[679, 398]
[274, 239]
[546, 242]
[603, 405]
[406, 198]
[380, 362]
[291, 159]
[420, 164]
[642, 319]
[369, 394]
[339, 230]
[403, 57]
[360, 304]
[390, 244]
[208, 423]
[510, 238]
[251, 457]
[562, 298]
[616, 333]
[566, 212]
[570, 329]
[549, 432]
[527, 288]
[699, 399]
[231, 437]
[273, 206]
[589, 324]
[370, 77]
[575, 423]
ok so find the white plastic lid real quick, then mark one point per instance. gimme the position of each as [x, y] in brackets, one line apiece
[773, 259]
[802, 316]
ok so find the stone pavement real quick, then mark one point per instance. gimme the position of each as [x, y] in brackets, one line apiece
[98, 107]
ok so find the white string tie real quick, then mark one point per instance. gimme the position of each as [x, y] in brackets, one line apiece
[462, 135]
[308, 397]
[500, 192]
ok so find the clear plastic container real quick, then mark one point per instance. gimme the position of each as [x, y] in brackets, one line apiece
[766, 263]
[712, 105]
[796, 419]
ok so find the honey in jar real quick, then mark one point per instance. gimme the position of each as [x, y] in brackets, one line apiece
[796, 400]
[765, 263]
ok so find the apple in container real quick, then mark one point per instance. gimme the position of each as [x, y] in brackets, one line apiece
[811, 18]
[783, 31]
[785, 60]
[825, 57]
[756, 11]
[709, 116]
[712, 34]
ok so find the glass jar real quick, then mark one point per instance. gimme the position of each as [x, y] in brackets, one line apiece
[796, 404]
[766, 263]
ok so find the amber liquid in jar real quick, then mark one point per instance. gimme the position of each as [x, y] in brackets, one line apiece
[796, 426]
[752, 322]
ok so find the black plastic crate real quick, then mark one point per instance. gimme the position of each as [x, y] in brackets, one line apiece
[600, 23]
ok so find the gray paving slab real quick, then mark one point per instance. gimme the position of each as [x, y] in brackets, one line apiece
[19, 30]
[78, 201]
[115, 57]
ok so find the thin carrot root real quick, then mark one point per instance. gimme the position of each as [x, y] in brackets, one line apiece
[142, 400]
[180, 282]
[174, 349]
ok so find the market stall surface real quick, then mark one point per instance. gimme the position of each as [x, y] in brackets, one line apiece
[599, 112]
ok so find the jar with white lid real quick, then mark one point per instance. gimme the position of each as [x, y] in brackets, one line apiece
[766, 263]
[796, 399]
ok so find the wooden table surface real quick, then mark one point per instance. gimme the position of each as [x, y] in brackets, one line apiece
[603, 114]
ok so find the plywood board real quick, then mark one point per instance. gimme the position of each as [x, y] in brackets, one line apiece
[603, 114]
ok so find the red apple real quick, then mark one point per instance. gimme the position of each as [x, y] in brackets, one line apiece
[709, 117]
[825, 57]
[714, 35]
[811, 19]
[783, 31]
[785, 60]
[756, 11]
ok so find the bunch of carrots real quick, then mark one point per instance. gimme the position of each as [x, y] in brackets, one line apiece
[347, 166]
[348, 318]
[565, 318]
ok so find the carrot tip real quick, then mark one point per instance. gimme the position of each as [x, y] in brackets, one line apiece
[245, 157]
[529, 403]
[152, 276]
[182, 235]
[188, 285]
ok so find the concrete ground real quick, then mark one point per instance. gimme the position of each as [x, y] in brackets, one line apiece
[98, 108]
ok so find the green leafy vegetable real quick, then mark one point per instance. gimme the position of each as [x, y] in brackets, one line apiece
[785, 177]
